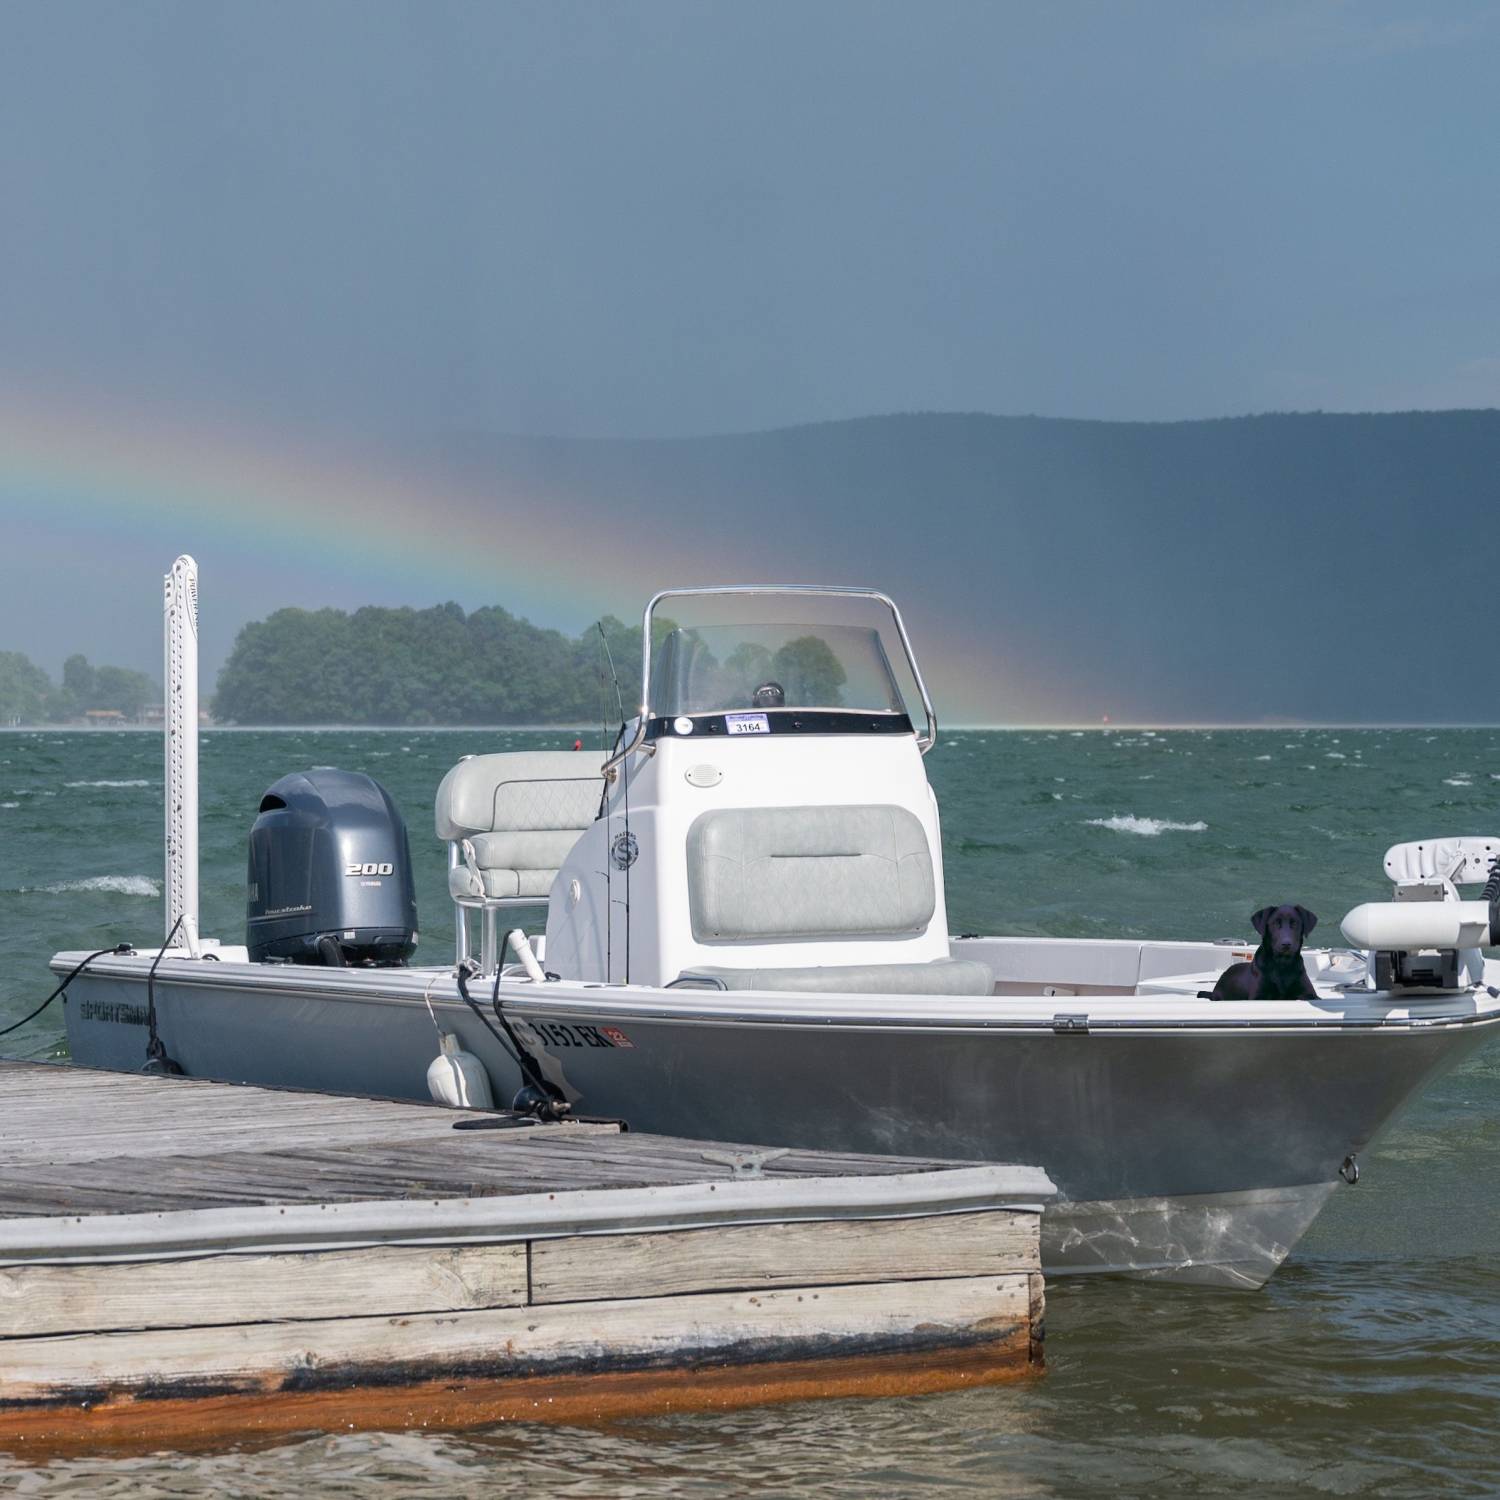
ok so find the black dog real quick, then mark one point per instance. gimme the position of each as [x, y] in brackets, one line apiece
[1276, 972]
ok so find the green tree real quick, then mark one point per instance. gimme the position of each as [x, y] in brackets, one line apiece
[26, 692]
[123, 689]
[811, 673]
[77, 684]
[429, 666]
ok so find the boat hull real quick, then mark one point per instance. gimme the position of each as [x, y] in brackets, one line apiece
[1195, 1155]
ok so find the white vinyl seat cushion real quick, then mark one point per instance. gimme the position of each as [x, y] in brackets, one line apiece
[943, 976]
[515, 817]
[768, 874]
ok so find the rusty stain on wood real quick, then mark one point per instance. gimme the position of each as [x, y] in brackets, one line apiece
[632, 1333]
[130, 1426]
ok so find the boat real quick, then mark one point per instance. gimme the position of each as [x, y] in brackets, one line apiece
[746, 939]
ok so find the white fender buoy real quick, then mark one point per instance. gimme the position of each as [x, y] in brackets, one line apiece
[458, 1078]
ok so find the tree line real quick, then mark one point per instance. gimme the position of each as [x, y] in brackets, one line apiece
[408, 666]
[441, 665]
[29, 696]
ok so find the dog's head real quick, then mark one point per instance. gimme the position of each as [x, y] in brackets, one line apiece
[1284, 928]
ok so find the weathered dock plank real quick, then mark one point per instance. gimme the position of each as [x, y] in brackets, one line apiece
[215, 1290]
[180, 1257]
[782, 1255]
[195, 1144]
[620, 1335]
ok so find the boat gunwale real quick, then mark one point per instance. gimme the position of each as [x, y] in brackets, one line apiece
[1061, 1015]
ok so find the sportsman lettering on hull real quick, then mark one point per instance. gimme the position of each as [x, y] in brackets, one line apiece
[112, 1010]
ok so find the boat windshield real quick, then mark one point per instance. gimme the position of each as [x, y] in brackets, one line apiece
[709, 669]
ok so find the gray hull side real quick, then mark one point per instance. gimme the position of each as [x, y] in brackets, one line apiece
[1194, 1156]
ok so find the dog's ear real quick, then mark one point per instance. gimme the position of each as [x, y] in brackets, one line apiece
[1259, 920]
[1309, 920]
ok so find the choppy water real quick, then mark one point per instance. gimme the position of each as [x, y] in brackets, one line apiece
[1371, 1364]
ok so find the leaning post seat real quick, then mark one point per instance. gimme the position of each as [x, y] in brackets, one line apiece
[1432, 869]
[509, 821]
[859, 873]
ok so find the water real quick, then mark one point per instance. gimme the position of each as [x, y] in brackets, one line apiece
[1371, 1364]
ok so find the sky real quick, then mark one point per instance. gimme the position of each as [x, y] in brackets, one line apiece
[257, 259]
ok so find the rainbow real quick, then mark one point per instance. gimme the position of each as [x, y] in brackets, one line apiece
[231, 492]
[87, 477]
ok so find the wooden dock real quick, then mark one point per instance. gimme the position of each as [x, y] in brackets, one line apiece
[184, 1261]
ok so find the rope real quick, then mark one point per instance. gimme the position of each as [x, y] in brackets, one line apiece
[157, 1060]
[77, 970]
[555, 1106]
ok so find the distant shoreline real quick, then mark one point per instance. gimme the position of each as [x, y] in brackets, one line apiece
[1288, 727]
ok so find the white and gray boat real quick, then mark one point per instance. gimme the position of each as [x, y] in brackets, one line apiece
[746, 939]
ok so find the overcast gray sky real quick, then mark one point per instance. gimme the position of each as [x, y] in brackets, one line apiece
[676, 218]
[368, 222]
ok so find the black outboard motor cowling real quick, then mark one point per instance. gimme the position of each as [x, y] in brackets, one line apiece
[330, 874]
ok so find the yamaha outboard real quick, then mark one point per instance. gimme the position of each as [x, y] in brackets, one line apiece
[330, 874]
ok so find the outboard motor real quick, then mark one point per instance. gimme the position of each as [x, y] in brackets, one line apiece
[330, 874]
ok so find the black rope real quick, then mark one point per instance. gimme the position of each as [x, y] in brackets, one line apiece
[511, 1044]
[461, 974]
[76, 971]
[552, 1101]
[157, 1060]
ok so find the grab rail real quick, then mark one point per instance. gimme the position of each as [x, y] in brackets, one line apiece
[925, 741]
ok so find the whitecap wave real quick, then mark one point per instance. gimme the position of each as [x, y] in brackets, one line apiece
[1148, 827]
[119, 885]
[141, 782]
[9, 804]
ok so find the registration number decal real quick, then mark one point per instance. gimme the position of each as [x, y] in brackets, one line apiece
[747, 724]
[572, 1034]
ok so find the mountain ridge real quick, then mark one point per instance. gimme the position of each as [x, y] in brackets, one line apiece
[1151, 571]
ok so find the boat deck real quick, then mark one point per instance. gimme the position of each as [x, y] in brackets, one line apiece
[180, 1258]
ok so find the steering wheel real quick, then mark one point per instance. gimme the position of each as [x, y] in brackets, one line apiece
[769, 695]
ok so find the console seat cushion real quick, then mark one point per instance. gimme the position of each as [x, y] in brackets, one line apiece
[944, 976]
[766, 874]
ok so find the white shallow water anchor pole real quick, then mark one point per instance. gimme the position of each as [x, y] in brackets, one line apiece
[181, 729]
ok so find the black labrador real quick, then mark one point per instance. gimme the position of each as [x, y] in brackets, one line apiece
[1277, 971]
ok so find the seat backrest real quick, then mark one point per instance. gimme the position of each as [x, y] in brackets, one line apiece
[528, 791]
[515, 818]
[765, 874]
[1431, 868]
